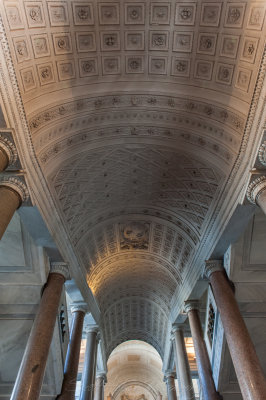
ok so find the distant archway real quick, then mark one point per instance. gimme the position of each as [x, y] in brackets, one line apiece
[135, 372]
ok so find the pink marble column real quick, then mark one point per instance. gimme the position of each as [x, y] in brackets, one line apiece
[99, 386]
[247, 366]
[256, 192]
[4, 159]
[30, 376]
[182, 365]
[170, 385]
[73, 350]
[202, 358]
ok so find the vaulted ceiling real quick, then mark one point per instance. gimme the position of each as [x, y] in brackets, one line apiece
[137, 113]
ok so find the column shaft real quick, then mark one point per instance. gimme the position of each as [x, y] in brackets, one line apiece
[247, 366]
[9, 201]
[72, 358]
[4, 160]
[202, 358]
[185, 381]
[30, 376]
[99, 388]
[170, 385]
[88, 375]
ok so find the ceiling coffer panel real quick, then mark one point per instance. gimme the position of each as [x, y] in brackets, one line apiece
[59, 44]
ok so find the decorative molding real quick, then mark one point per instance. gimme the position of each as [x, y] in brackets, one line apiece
[191, 305]
[9, 148]
[92, 329]
[17, 184]
[101, 376]
[83, 307]
[169, 374]
[213, 266]
[255, 188]
[61, 268]
[195, 107]
[176, 328]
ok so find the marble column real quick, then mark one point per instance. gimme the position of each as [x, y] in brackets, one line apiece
[99, 386]
[256, 192]
[185, 381]
[170, 385]
[30, 376]
[8, 152]
[88, 375]
[247, 366]
[4, 159]
[72, 359]
[12, 193]
[202, 358]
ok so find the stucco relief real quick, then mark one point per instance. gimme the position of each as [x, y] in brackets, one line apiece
[134, 235]
[109, 25]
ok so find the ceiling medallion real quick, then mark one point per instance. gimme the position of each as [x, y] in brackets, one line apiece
[134, 235]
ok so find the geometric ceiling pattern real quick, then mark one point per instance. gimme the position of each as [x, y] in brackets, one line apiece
[137, 114]
[207, 43]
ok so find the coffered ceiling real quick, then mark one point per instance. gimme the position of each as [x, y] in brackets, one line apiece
[137, 114]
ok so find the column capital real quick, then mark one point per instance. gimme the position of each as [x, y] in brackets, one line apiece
[213, 266]
[176, 328]
[101, 375]
[61, 268]
[168, 374]
[92, 329]
[255, 188]
[17, 185]
[262, 154]
[9, 148]
[191, 305]
[83, 307]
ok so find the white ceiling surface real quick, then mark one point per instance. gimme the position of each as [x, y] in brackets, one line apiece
[137, 112]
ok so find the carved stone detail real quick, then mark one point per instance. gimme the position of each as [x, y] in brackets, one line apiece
[212, 266]
[134, 235]
[83, 307]
[191, 305]
[9, 148]
[17, 185]
[61, 268]
[255, 188]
